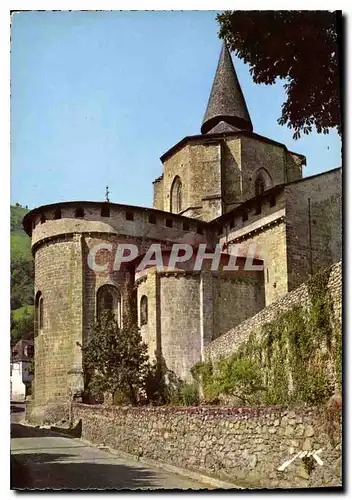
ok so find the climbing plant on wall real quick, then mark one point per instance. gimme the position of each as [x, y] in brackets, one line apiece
[293, 359]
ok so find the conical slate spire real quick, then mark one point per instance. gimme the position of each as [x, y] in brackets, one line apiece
[226, 102]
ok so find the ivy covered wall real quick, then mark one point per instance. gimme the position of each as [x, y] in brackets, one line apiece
[288, 353]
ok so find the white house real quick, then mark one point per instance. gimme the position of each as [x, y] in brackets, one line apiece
[21, 356]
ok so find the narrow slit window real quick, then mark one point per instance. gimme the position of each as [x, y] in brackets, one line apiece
[152, 219]
[41, 314]
[144, 310]
[105, 211]
[79, 213]
[169, 222]
[129, 216]
[39, 311]
[57, 214]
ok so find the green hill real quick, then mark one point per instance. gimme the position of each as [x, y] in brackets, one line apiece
[22, 277]
[20, 242]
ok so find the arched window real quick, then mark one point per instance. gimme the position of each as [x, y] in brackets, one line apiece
[176, 196]
[263, 181]
[39, 313]
[259, 185]
[109, 299]
[144, 310]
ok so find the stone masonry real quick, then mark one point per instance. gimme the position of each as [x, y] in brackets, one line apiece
[229, 342]
[243, 445]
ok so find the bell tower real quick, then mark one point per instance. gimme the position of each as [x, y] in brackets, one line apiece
[210, 174]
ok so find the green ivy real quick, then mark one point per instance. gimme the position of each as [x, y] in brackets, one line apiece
[288, 365]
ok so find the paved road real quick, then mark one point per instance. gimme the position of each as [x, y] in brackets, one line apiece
[17, 411]
[42, 459]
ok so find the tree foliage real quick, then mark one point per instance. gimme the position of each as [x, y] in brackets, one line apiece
[298, 46]
[22, 278]
[239, 377]
[22, 324]
[22, 283]
[236, 376]
[116, 358]
[163, 387]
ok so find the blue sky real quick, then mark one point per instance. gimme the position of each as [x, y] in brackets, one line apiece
[98, 97]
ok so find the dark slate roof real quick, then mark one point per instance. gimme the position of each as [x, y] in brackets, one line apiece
[222, 127]
[226, 102]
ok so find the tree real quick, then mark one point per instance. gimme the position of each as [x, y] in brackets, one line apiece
[116, 358]
[299, 46]
[22, 324]
[22, 287]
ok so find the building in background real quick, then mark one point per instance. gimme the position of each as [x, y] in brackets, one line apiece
[21, 380]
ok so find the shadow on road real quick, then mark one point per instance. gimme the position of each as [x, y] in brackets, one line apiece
[16, 409]
[38, 469]
[23, 431]
[60, 471]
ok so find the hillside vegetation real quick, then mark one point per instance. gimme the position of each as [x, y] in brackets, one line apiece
[22, 278]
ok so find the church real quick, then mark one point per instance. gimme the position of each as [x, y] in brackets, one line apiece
[226, 185]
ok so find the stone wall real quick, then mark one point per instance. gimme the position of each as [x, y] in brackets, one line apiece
[180, 323]
[58, 277]
[218, 173]
[149, 287]
[257, 154]
[189, 164]
[294, 164]
[243, 445]
[231, 174]
[267, 231]
[130, 221]
[187, 309]
[314, 225]
[234, 300]
[230, 341]
[158, 193]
